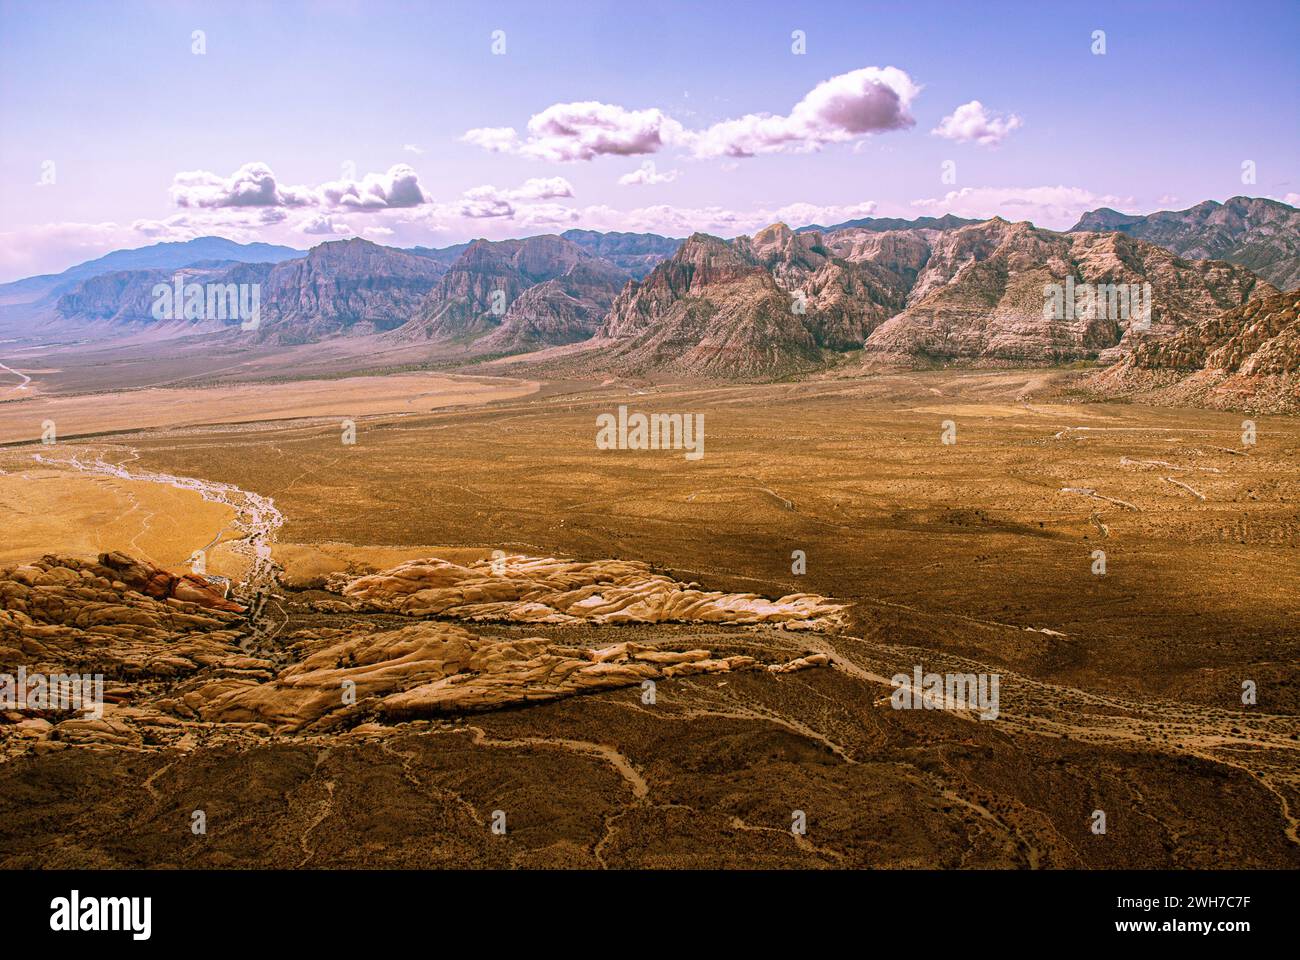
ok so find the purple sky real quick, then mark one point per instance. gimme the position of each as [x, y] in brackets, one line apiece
[420, 124]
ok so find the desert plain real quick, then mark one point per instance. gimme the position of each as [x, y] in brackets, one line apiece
[1120, 691]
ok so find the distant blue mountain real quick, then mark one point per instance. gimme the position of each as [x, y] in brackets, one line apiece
[159, 256]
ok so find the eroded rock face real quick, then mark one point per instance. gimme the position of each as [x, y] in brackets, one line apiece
[980, 296]
[523, 293]
[547, 590]
[774, 304]
[177, 670]
[428, 669]
[970, 293]
[637, 253]
[1245, 358]
[119, 617]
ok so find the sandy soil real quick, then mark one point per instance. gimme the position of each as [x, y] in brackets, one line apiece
[348, 397]
[1120, 692]
[52, 510]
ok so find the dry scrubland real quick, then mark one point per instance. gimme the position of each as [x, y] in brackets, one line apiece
[1119, 692]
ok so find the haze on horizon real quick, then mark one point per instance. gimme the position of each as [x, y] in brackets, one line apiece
[296, 123]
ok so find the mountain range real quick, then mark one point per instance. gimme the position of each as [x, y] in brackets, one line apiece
[780, 303]
[158, 256]
[1257, 233]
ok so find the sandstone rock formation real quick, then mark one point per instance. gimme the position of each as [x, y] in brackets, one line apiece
[526, 293]
[965, 293]
[980, 296]
[1246, 358]
[173, 651]
[343, 286]
[117, 616]
[427, 669]
[545, 590]
[764, 307]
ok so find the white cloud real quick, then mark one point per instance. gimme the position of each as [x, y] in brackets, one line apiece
[841, 109]
[646, 175]
[494, 139]
[1292, 199]
[399, 187]
[971, 123]
[547, 214]
[252, 185]
[488, 202]
[322, 224]
[541, 188]
[1056, 207]
[412, 148]
[484, 203]
[566, 132]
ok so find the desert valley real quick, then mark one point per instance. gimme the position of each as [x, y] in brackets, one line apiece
[363, 585]
[447, 444]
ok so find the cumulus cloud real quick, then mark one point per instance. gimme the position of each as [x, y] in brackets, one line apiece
[494, 139]
[412, 148]
[841, 109]
[1291, 199]
[399, 187]
[252, 185]
[1056, 207]
[484, 203]
[971, 123]
[646, 175]
[565, 132]
[542, 188]
[547, 215]
[487, 202]
[321, 225]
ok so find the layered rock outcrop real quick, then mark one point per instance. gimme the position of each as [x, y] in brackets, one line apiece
[523, 293]
[980, 297]
[1246, 358]
[117, 616]
[428, 669]
[767, 306]
[524, 589]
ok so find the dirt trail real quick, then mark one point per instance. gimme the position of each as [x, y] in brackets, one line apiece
[17, 373]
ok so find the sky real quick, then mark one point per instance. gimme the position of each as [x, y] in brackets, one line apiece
[128, 123]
